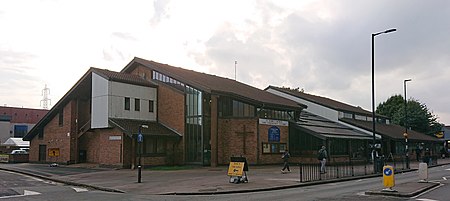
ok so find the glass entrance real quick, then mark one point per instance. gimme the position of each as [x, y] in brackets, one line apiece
[194, 128]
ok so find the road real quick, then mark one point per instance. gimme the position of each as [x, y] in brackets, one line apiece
[15, 186]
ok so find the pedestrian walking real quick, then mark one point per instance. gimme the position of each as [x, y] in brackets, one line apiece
[418, 152]
[285, 158]
[322, 156]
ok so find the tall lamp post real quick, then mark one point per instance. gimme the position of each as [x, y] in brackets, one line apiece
[373, 90]
[140, 140]
[406, 126]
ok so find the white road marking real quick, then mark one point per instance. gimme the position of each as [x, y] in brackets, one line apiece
[25, 193]
[429, 190]
[79, 189]
[425, 199]
[444, 178]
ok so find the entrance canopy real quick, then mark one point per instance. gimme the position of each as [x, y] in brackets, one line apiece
[324, 128]
[131, 127]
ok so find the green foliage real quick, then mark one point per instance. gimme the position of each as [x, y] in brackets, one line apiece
[419, 117]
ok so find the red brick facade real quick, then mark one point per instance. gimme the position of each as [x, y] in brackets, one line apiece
[171, 108]
[230, 141]
[56, 137]
[272, 158]
[106, 147]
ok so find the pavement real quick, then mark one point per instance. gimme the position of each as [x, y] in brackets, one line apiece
[196, 180]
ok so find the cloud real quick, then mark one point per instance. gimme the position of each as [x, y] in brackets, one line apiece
[124, 36]
[326, 49]
[161, 11]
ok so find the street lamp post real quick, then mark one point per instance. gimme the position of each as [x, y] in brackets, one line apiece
[406, 127]
[373, 90]
[140, 140]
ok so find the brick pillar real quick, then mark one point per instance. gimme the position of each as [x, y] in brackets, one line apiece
[214, 134]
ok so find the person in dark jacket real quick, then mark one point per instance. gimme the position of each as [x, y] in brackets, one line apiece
[285, 158]
[322, 157]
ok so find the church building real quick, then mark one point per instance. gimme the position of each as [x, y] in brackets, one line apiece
[185, 117]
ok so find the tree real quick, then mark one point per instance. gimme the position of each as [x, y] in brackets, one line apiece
[419, 117]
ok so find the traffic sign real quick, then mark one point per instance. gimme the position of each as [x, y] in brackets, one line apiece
[140, 138]
[388, 176]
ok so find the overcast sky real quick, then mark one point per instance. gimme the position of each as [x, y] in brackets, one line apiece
[321, 46]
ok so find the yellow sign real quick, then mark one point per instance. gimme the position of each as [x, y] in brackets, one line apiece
[388, 176]
[440, 134]
[53, 152]
[236, 169]
[4, 158]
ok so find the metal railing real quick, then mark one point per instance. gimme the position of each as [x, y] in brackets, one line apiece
[334, 170]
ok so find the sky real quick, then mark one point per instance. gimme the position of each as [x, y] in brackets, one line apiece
[321, 46]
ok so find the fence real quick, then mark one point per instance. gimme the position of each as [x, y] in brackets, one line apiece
[333, 170]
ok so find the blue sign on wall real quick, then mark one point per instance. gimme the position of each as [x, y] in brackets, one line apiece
[140, 138]
[274, 134]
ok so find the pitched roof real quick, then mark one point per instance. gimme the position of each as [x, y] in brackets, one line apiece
[327, 102]
[80, 87]
[17, 142]
[131, 127]
[122, 77]
[215, 84]
[324, 128]
[390, 130]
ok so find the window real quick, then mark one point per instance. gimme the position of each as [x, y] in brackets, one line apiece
[233, 108]
[61, 117]
[339, 146]
[137, 104]
[275, 114]
[127, 103]
[20, 130]
[151, 106]
[153, 145]
[274, 148]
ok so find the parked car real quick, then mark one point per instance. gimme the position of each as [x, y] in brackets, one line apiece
[18, 151]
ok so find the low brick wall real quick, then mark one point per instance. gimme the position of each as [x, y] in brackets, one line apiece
[18, 158]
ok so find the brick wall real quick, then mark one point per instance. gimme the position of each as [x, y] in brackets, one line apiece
[55, 137]
[171, 108]
[230, 142]
[102, 150]
[273, 158]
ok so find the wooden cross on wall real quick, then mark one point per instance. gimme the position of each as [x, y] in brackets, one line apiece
[244, 137]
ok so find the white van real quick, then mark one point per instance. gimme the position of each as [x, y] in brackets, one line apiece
[18, 151]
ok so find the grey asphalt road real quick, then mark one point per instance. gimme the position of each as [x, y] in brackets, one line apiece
[20, 187]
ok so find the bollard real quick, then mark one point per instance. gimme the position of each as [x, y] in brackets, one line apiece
[423, 172]
[388, 178]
